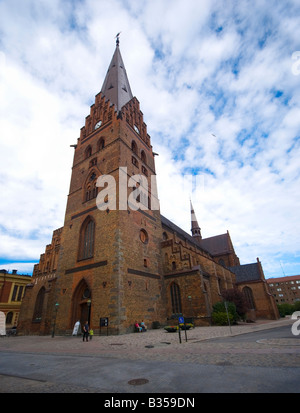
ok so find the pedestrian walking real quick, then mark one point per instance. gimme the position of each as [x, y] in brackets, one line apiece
[91, 333]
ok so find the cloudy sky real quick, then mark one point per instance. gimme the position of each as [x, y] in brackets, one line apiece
[219, 85]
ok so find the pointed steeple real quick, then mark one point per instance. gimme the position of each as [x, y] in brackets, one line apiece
[196, 230]
[116, 86]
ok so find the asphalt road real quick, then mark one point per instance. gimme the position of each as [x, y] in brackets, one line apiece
[280, 333]
[261, 362]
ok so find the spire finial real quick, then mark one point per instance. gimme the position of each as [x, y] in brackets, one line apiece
[118, 38]
[116, 87]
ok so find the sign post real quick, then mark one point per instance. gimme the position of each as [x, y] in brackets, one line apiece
[182, 321]
[226, 307]
[179, 329]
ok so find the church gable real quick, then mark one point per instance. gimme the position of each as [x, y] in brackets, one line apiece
[221, 248]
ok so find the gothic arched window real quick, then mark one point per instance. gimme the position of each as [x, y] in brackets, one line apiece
[91, 190]
[9, 317]
[101, 144]
[166, 258]
[143, 157]
[88, 152]
[249, 298]
[134, 147]
[175, 298]
[221, 262]
[86, 240]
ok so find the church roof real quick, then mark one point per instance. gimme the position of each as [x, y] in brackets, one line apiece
[181, 233]
[283, 279]
[247, 272]
[196, 230]
[116, 86]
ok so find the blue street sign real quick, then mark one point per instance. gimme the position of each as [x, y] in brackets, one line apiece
[181, 320]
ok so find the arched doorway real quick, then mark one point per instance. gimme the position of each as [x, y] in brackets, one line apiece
[81, 303]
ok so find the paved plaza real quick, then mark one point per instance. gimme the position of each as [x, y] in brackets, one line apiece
[154, 361]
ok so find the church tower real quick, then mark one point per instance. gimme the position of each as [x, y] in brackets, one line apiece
[110, 259]
[116, 260]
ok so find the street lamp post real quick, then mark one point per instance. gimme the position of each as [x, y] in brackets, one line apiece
[54, 322]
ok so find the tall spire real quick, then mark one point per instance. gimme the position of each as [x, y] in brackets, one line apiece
[116, 86]
[196, 230]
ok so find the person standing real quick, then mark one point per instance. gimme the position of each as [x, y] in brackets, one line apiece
[85, 331]
[91, 333]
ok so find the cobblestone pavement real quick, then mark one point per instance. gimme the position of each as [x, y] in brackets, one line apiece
[160, 345]
[146, 348]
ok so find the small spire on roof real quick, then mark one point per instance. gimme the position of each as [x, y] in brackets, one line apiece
[196, 230]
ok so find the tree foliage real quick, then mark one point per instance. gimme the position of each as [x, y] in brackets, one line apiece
[288, 309]
[234, 295]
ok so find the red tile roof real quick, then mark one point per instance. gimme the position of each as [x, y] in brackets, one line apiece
[283, 279]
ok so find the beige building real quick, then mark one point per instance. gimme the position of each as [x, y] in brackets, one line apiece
[12, 289]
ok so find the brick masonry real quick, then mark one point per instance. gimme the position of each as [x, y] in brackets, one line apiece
[135, 260]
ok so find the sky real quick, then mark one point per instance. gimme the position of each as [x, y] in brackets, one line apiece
[218, 82]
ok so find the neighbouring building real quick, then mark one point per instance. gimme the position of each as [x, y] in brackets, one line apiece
[251, 280]
[285, 289]
[124, 261]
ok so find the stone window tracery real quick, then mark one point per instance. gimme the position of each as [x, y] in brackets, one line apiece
[91, 190]
[175, 298]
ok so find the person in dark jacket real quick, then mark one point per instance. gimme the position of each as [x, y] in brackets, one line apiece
[85, 331]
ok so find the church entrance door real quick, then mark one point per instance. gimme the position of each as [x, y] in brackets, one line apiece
[81, 303]
[84, 313]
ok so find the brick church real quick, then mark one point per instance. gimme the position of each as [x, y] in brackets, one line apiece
[116, 257]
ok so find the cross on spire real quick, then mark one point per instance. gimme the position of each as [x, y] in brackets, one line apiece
[118, 39]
